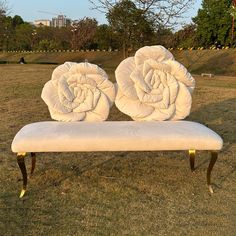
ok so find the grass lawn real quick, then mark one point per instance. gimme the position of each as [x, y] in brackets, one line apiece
[116, 193]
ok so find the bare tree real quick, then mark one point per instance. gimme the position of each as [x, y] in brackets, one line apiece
[164, 12]
[83, 32]
[3, 8]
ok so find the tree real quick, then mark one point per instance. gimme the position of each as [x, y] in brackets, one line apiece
[48, 45]
[49, 38]
[23, 36]
[83, 33]
[186, 37]
[62, 36]
[163, 12]
[17, 20]
[130, 24]
[105, 38]
[164, 36]
[214, 22]
[233, 14]
[8, 33]
[3, 10]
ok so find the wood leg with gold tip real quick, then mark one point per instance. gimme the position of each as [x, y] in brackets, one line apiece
[21, 164]
[192, 154]
[33, 163]
[214, 156]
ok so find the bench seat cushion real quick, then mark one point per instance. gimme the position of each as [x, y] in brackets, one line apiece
[53, 136]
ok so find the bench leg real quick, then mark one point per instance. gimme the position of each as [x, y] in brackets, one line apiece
[214, 156]
[192, 154]
[33, 163]
[21, 164]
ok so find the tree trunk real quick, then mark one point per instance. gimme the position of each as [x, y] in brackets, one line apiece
[124, 50]
[233, 31]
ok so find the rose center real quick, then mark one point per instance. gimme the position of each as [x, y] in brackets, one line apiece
[78, 92]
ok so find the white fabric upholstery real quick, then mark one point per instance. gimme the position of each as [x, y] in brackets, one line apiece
[79, 91]
[152, 86]
[115, 136]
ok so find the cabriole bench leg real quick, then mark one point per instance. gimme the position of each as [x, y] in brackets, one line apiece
[21, 164]
[214, 156]
[33, 162]
[192, 154]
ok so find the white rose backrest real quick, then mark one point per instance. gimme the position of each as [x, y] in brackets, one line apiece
[79, 92]
[152, 86]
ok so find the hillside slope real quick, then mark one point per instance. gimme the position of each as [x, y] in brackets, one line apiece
[219, 62]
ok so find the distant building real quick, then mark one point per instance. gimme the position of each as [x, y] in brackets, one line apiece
[60, 21]
[39, 23]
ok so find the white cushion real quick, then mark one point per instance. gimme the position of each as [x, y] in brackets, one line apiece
[152, 86]
[115, 136]
[79, 92]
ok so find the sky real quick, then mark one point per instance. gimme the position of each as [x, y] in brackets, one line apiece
[74, 9]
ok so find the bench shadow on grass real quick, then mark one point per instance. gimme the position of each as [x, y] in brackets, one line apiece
[220, 117]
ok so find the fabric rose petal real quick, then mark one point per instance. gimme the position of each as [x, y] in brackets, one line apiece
[79, 92]
[153, 86]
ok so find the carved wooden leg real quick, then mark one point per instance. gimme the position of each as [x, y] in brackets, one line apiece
[33, 162]
[21, 164]
[214, 156]
[192, 154]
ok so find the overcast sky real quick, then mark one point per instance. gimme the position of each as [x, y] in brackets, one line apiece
[74, 9]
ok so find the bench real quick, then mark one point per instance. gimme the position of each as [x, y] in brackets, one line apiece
[52, 136]
[206, 74]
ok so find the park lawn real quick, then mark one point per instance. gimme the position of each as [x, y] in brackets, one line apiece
[116, 193]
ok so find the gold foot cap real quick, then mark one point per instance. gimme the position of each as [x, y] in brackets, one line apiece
[23, 154]
[210, 189]
[192, 151]
[22, 193]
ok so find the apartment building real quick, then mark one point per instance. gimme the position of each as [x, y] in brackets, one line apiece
[60, 21]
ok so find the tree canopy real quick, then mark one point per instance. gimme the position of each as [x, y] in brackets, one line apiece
[214, 22]
[130, 24]
[3, 9]
[164, 12]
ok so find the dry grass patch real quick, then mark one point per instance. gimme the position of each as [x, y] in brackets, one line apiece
[117, 193]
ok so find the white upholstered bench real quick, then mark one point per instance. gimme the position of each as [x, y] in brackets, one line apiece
[55, 136]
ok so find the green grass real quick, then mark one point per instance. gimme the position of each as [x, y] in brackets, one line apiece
[116, 193]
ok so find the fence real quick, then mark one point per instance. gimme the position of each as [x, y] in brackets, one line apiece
[59, 51]
[116, 50]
